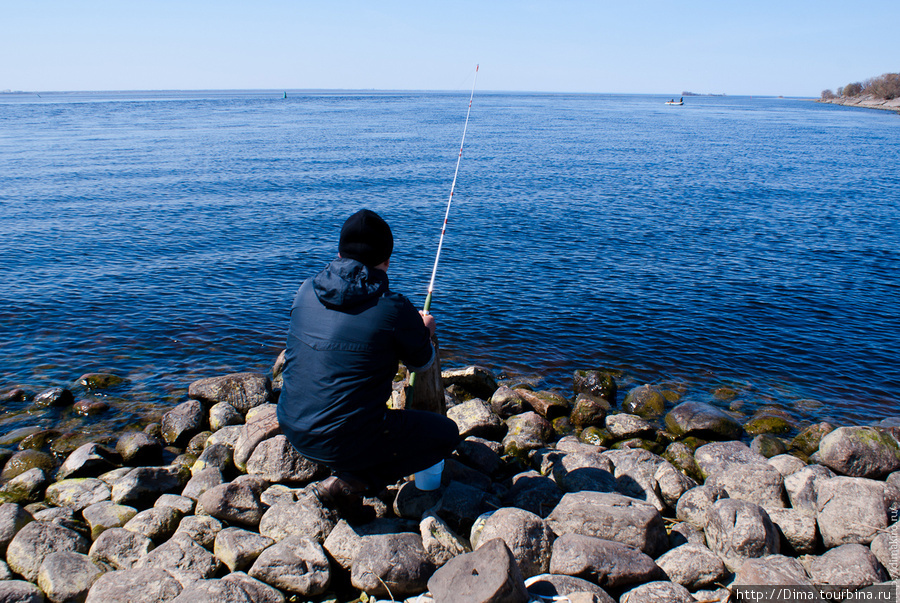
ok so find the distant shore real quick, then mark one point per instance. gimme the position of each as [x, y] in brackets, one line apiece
[864, 101]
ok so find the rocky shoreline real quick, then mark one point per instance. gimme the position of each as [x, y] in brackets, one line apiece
[864, 101]
[597, 496]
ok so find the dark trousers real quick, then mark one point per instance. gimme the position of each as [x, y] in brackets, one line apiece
[408, 441]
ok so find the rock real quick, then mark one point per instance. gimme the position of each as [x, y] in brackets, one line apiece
[411, 503]
[693, 566]
[604, 562]
[475, 453]
[79, 493]
[227, 435]
[147, 585]
[703, 421]
[574, 472]
[738, 530]
[295, 564]
[27, 487]
[798, 529]
[596, 436]
[90, 406]
[218, 456]
[475, 418]
[67, 576]
[766, 422]
[505, 402]
[693, 507]
[884, 547]
[224, 414]
[259, 427]
[54, 396]
[259, 592]
[233, 502]
[786, 464]
[610, 517]
[653, 592]
[672, 484]
[345, 540]
[242, 390]
[19, 591]
[391, 565]
[623, 426]
[759, 484]
[213, 591]
[486, 575]
[860, 452]
[276, 460]
[645, 400]
[589, 410]
[460, 505]
[477, 380]
[138, 448]
[768, 445]
[37, 540]
[181, 553]
[555, 587]
[441, 543]
[181, 423]
[846, 565]
[533, 492]
[597, 383]
[202, 481]
[685, 533]
[183, 504]
[25, 460]
[682, 457]
[527, 431]
[156, 523]
[773, 570]
[100, 380]
[238, 548]
[142, 485]
[526, 535]
[549, 405]
[807, 441]
[851, 510]
[88, 460]
[801, 487]
[719, 457]
[12, 519]
[302, 518]
[197, 444]
[104, 515]
[120, 548]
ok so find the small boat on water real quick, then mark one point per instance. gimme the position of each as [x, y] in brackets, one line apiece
[675, 102]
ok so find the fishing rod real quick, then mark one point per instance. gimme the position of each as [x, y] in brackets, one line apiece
[437, 257]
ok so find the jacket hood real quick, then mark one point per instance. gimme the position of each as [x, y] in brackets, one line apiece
[345, 283]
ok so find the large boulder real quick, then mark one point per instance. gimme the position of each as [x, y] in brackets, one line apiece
[860, 452]
[738, 530]
[20, 591]
[242, 390]
[846, 565]
[654, 592]
[693, 507]
[851, 510]
[720, 457]
[236, 502]
[526, 535]
[296, 565]
[262, 425]
[301, 518]
[38, 540]
[213, 591]
[475, 418]
[693, 566]
[13, 518]
[276, 460]
[181, 423]
[525, 432]
[533, 492]
[146, 585]
[67, 576]
[486, 575]
[555, 587]
[884, 547]
[139, 448]
[610, 564]
[120, 548]
[703, 421]
[393, 565]
[238, 548]
[181, 553]
[78, 493]
[761, 484]
[645, 400]
[802, 487]
[477, 380]
[142, 485]
[799, 530]
[88, 460]
[598, 383]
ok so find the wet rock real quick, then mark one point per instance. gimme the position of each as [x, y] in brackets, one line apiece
[276, 460]
[759, 484]
[34, 542]
[682, 457]
[54, 396]
[533, 492]
[860, 452]
[737, 530]
[653, 592]
[477, 380]
[801, 487]
[475, 418]
[78, 493]
[610, 517]
[846, 565]
[549, 405]
[88, 460]
[851, 510]
[181, 423]
[720, 457]
[259, 592]
[104, 515]
[234, 503]
[769, 423]
[527, 536]
[597, 383]
[703, 421]
[302, 518]
[645, 400]
[488, 575]
[693, 566]
[156, 523]
[238, 548]
[623, 426]
[773, 570]
[145, 585]
[799, 530]
[25, 460]
[242, 390]
[505, 402]
[27, 487]
[90, 406]
[786, 464]
[224, 414]
[589, 410]
[181, 553]
[12, 519]
[100, 380]
[884, 547]
[67, 576]
[19, 591]
[142, 485]
[807, 441]
[120, 548]
[296, 564]
[527, 431]
[604, 562]
[596, 436]
[260, 426]
[16, 394]
[202, 529]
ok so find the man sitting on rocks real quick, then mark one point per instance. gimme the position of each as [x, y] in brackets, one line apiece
[347, 333]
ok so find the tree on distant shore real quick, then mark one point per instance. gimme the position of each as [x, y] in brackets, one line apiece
[886, 86]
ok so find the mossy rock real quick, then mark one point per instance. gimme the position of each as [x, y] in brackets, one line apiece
[100, 380]
[807, 441]
[645, 400]
[589, 410]
[596, 436]
[649, 445]
[596, 382]
[694, 442]
[39, 440]
[682, 456]
[766, 422]
[768, 445]
[24, 460]
[562, 426]
[725, 394]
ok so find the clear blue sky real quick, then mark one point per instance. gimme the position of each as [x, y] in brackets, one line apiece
[758, 47]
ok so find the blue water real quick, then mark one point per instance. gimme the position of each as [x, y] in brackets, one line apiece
[743, 242]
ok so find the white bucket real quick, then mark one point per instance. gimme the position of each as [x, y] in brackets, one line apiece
[430, 479]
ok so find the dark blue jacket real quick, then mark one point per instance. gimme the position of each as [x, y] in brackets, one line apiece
[348, 331]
